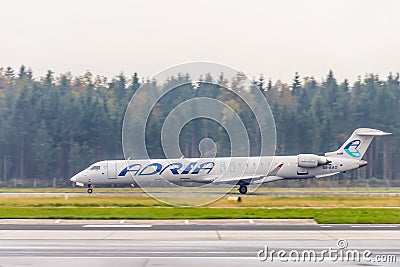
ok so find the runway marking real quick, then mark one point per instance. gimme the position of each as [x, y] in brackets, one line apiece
[219, 235]
[117, 226]
[373, 226]
[33, 252]
[251, 221]
[141, 257]
[325, 226]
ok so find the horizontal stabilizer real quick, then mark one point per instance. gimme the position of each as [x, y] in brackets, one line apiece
[372, 132]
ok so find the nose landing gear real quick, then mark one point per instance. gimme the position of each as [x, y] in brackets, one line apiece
[90, 189]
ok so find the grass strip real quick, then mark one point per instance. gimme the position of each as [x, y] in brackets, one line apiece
[247, 201]
[321, 215]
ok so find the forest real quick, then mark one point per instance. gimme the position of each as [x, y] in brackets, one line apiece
[53, 126]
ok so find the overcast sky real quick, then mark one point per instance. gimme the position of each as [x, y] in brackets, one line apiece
[276, 38]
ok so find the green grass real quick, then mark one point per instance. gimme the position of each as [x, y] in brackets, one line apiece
[321, 215]
[322, 208]
[261, 201]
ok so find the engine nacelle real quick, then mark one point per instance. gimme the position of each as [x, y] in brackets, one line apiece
[311, 160]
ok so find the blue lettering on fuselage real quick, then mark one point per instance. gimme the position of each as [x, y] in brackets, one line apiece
[175, 168]
[131, 168]
[189, 167]
[154, 171]
[203, 166]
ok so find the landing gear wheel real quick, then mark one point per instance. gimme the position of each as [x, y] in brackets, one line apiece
[90, 189]
[243, 189]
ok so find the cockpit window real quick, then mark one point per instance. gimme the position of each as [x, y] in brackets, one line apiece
[95, 168]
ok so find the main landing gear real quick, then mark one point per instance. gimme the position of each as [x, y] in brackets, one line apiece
[242, 189]
[90, 189]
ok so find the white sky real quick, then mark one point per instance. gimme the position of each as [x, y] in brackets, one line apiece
[276, 38]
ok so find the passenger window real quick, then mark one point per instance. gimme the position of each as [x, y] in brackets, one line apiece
[232, 167]
[222, 167]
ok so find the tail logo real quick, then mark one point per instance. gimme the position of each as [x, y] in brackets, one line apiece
[352, 148]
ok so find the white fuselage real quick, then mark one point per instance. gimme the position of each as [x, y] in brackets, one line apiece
[240, 171]
[206, 170]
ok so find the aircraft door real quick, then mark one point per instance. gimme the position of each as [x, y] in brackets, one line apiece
[112, 169]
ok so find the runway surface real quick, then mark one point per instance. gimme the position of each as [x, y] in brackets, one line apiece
[189, 243]
[188, 225]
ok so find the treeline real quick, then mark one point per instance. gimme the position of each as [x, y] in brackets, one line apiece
[54, 126]
[316, 117]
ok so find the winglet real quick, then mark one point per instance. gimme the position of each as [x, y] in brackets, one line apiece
[275, 170]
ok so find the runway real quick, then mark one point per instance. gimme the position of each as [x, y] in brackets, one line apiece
[186, 243]
[209, 194]
[188, 225]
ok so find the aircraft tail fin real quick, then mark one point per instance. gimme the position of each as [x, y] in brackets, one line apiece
[358, 143]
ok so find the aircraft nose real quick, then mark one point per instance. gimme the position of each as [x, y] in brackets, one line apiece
[73, 179]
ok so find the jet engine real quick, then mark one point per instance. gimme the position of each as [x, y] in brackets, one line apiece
[311, 160]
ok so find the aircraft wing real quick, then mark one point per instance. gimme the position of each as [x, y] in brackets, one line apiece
[270, 177]
[326, 175]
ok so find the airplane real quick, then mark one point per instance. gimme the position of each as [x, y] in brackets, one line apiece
[237, 171]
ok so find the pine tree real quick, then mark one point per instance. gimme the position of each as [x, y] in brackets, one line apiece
[43, 152]
[296, 85]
